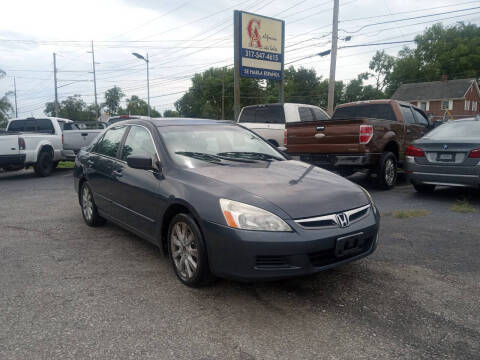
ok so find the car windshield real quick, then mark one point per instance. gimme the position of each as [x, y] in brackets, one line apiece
[456, 130]
[204, 145]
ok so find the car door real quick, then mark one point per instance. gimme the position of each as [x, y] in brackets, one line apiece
[138, 191]
[413, 130]
[101, 163]
[422, 120]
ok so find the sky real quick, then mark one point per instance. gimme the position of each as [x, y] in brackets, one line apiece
[187, 37]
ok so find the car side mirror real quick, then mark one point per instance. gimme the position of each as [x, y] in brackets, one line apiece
[140, 162]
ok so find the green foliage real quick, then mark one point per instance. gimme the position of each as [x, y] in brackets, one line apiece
[204, 98]
[6, 107]
[171, 113]
[356, 91]
[137, 106]
[452, 51]
[113, 97]
[73, 108]
[382, 65]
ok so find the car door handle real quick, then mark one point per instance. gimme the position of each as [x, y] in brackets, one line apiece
[84, 134]
[320, 128]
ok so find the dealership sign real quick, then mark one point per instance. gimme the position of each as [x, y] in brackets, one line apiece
[261, 46]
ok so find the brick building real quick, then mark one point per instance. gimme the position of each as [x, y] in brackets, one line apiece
[446, 98]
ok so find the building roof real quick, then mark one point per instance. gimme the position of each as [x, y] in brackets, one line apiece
[434, 90]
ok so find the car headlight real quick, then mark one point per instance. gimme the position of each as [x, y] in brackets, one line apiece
[243, 216]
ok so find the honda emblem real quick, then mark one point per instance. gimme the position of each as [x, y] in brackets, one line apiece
[342, 220]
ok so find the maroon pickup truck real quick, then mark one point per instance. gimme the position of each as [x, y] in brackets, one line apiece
[361, 135]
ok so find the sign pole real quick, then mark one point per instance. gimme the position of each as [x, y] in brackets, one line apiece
[236, 70]
[282, 82]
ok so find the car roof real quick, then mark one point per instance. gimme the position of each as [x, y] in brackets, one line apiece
[42, 117]
[376, 101]
[159, 122]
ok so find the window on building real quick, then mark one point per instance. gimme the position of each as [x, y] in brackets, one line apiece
[467, 105]
[423, 105]
[444, 104]
[474, 106]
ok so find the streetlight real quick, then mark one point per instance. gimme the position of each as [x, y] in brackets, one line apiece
[148, 77]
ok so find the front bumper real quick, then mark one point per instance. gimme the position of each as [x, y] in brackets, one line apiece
[262, 255]
[443, 175]
[17, 159]
[362, 160]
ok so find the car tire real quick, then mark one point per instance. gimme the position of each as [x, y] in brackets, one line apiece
[346, 171]
[44, 165]
[424, 188]
[387, 171]
[89, 209]
[187, 252]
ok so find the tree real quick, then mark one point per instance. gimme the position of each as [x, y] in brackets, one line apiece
[137, 106]
[356, 91]
[113, 97]
[171, 113]
[204, 97]
[382, 65]
[452, 51]
[5, 106]
[73, 108]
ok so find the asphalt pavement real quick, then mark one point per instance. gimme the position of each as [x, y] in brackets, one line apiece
[69, 291]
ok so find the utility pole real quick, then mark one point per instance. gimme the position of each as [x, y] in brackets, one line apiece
[236, 61]
[15, 92]
[55, 82]
[94, 81]
[148, 85]
[223, 94]
[333, 58]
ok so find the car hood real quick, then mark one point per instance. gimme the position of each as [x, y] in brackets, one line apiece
[299, 189]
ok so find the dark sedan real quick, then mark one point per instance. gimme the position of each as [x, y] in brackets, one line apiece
[448, 156]
[221, 201]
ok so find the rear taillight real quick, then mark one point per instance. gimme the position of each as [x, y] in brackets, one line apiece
[366, 134]
[414, 151]
[474, 154]
[285, 135]
[21, 144]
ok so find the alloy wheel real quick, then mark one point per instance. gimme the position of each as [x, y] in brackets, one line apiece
[87, 203]
[184, 250]
[389, 172]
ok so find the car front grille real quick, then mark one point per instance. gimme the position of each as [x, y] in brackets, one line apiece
[327, 257]
[332, 219]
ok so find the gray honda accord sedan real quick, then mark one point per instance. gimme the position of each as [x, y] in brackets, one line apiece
[448, 155]
[221, 201]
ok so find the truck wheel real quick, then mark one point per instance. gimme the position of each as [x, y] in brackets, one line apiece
[424, 188]
[346, 171]
[89, 209]
[387, 171]
[44, 164]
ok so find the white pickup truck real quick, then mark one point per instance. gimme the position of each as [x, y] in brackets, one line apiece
[268, 120]
[41, 143]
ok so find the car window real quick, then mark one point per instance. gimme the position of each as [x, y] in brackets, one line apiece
[320, 114]
[67, 126]
[110, 142]
[305, 114]
[420, 118]
[16, 125]
[45, 126]
[374, 111]
[456, 129]
[407, 114]
[269, 114]
[138, 143]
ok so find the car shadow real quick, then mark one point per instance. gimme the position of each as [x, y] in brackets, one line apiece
[27, 174]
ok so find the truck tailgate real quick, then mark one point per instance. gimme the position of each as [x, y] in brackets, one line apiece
[76, 139]
[327, 136]
[8, 144]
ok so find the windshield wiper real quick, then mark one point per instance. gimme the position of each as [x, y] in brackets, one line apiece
[249, 155]
[201, 156]
[217, 159]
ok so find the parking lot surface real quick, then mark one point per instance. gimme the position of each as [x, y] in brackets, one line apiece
[69, 291]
